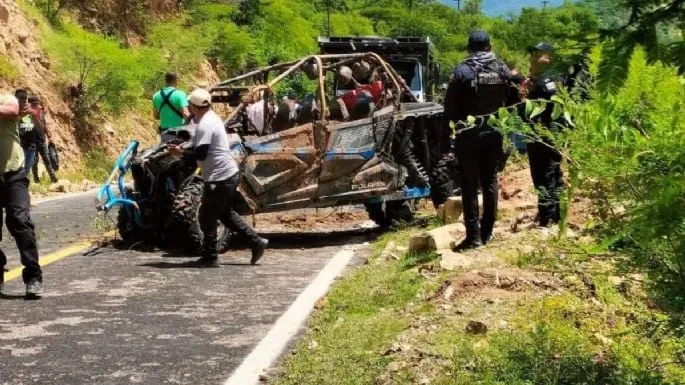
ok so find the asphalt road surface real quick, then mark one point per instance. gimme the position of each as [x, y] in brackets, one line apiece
[127, 317]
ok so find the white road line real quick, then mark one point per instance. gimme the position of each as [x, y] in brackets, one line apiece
[271, 346]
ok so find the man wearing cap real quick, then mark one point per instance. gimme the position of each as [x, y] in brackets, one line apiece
[42, 136]
[545, 160]
[478, 87]
[211, 149]
[170, 107]
[14, 198]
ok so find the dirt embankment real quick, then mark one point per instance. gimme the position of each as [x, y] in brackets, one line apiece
[28, 66]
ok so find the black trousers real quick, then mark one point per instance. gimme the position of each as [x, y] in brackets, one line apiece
[14, 203]
[545, 168]
[480, 153]
[217, 204]
[42, 152]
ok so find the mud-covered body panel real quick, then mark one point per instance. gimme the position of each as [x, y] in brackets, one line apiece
[332, 163]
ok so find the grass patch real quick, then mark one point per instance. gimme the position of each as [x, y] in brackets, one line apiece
[559, 340]
[413, 259]
[96, 167]
[8, 71]
[361, 319]
[596, 328]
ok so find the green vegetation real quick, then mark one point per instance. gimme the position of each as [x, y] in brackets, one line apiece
[8, 71]
[581, 319]
[628, 148]
[237, 36]
[113, 77]
[625, 150]
[358, 322]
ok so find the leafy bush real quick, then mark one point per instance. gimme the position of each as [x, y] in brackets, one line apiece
[629, 147]
[112, 77]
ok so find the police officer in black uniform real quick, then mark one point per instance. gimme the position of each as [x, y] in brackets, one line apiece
[545, 160]
[479, 86]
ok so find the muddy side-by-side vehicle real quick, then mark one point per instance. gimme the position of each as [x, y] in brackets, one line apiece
[374, 146]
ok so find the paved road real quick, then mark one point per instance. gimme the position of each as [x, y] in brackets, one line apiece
[59, 223]
[122, 317]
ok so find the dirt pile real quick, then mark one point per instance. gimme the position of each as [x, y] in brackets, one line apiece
[313, 220]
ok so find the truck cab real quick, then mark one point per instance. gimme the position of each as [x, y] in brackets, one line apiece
[411, 57]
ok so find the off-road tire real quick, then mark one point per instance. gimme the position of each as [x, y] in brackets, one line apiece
[128, 231]
[445, 179]
[385, 214]
[183, 229]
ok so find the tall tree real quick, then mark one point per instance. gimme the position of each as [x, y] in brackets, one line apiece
[473, 7]
[248, 12]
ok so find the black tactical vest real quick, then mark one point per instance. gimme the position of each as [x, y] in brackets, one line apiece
[488, 90]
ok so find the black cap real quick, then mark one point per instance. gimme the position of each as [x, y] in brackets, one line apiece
[33, 99]
[541, 47]
[478, 41]
[170, 77]
[21, 94]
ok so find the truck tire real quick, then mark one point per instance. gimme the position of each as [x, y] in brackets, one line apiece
[385, 214]
[183, 229]
[445, 179]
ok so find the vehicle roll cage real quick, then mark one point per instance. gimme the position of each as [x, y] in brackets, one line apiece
[323, 63]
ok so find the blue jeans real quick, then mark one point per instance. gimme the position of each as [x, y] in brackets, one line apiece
[29, 157]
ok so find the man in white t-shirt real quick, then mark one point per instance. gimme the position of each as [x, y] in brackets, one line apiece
[221, 175]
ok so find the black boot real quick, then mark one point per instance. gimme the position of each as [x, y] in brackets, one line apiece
[207, 262]
[209, 259]
[258, 250]
[467, 244]
[485, 233]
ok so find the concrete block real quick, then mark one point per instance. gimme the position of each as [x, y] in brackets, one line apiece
[443, 236]
[450, 211]
[421, 243]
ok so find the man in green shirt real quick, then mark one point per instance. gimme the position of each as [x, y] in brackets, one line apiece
[14, 198]
[170, 107]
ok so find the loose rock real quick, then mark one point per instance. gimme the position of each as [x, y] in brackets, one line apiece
[4, 13]
[450, 211]
[443, 236]
[422, 242]
[62, 185]
[476, 327]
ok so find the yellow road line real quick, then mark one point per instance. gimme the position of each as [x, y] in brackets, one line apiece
[56, 256]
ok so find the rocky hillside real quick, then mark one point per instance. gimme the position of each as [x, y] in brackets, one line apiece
[26, 63]
[29, 67]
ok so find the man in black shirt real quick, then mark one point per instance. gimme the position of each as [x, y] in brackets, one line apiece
[478, 87]
[545, 160]
[42, 136]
